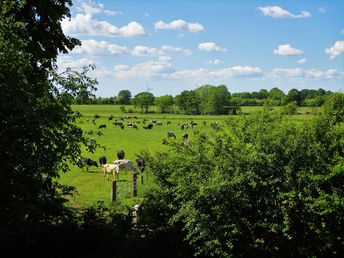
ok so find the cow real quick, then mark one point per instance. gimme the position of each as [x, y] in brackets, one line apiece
[85, 162]
[102, 160]
[102, 126]
[171, 134]
[168, 122]
[158, 123]
[110, 118]
[108, 169]
[120, 154]
[125, 165]
[182, 126]
[185, 136]
[149, 126]
[164, 141]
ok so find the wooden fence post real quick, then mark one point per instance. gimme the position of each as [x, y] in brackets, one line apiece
[141, 179]
[134, 184]
[114, 191]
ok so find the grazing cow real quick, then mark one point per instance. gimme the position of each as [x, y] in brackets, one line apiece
[185, 136]
[110, 118]
[122, 126]
[102, 126]
[85, 162]
[149, 126]
[140, 164]
[94, 121]
[96, 116]
[164, 141]
[158, 123]
[182, 126]
[120, 154]
[168, 122]
[171, 134]
[204, 123]
[108, 169]
[102, 160]
[125, 165]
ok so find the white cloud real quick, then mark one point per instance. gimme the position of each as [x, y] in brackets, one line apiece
[180, 25]
[336, 50]
[94, 47]
[84, 24]
[144, 51]
[301, 74]
[214, 62]
[147, 69]
[302, 61]
[210, 47]
[164, 70]
[278, 12]
[164, 58]
[237, 71]
[66, 61]
[91, 7]
[287, 50]
[186, 52]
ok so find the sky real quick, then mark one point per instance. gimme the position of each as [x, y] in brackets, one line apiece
[166, 47]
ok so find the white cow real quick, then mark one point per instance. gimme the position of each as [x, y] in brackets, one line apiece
[110, 169]
[125, 165]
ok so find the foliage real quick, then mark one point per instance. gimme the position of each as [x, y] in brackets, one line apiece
[124, 97]
[143, 100]
[164, 103]
[289, 109]
[262, 187]
[38, 134]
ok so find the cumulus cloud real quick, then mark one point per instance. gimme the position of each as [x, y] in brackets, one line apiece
[210, 47]
[214, 62]
[180, 25]
[163, 70]
[336, 50]
[301, 74]
[302, 61]
[65, 62]
[84, 24]
[278, 12]
[98, 48]
[91, 7]
[144, 51]
[287, 50]
[186, 52]
[164, 58]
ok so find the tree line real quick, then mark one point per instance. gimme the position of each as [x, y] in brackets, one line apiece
[209, 99]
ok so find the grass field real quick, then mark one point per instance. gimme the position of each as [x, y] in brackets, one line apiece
[92, 187]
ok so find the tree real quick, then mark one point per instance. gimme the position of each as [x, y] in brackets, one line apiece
[124, 97]
[189, 102]
[276, 94]
[164, 103]
[262, 187]
[213, 100]
[143, 100]
[39, 138]
[294, 96]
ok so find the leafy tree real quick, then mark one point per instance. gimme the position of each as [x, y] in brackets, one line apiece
[262, 187]
[189, 102]
[38, 134]
[164, 103]
[143, 100]
[276, 94]
[294, 96]
[264, 94]
[124, 97]
[213, 100]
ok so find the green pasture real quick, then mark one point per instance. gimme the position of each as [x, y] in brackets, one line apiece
[92, 186]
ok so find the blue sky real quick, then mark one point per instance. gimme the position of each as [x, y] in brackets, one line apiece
[171, 46]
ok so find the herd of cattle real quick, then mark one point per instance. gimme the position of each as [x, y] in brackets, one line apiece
[113, 168]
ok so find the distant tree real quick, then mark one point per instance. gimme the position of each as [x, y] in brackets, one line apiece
[143, 100]
[276, 94]
[189, 102]
[264, 94]
[124, 97]
[164, 103]
[294, 96]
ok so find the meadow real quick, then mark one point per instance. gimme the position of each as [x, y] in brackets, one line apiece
[93, 187]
